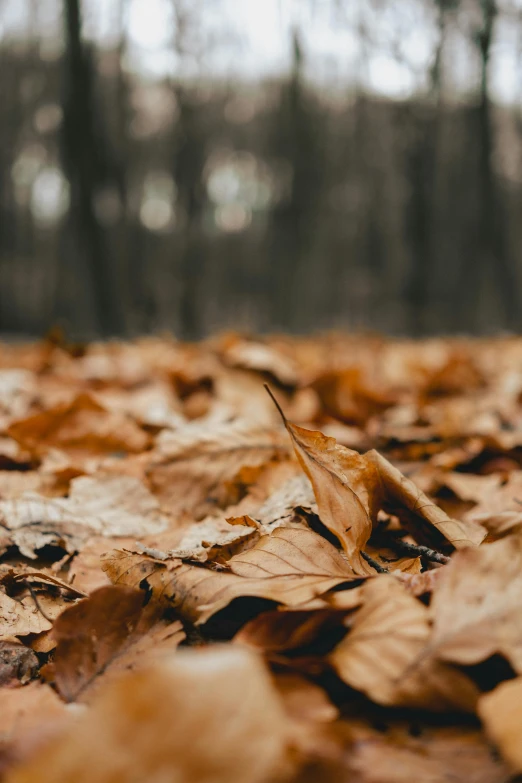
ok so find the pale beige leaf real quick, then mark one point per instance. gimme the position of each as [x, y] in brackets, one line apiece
[214, 539]
[501, 713]
[477, 604]
[192, 465]
[105, 504]
[384, 653]
[19, 618]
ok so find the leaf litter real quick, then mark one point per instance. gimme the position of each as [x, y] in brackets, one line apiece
[200, 583]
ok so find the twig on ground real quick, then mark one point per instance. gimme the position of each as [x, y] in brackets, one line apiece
[374, 564]
[420, 551]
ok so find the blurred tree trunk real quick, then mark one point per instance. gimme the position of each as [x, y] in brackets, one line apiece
[492, 254]
[189, 162]
[422, 156]
[293, 221]
[81, 147]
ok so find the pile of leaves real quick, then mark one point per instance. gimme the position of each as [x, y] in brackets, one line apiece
[261, 560]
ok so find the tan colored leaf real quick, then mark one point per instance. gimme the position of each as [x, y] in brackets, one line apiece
[477, 605]
[501, 713]
[193, 464]
[427, 518]
[17, 393]
[291, 566]
[262, 358]
[214, 539]
[107, 634]
[280, 507]
[109, 505]
[384, 653]
[205, 716]
[439, 755]
[82, 426]
[350, 488]
[19, 618]
[344, 485]
[29, 717]
[304, 700]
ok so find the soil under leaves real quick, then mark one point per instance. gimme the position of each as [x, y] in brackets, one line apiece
[261, 560]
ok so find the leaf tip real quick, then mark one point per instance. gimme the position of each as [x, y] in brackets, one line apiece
[270, 392]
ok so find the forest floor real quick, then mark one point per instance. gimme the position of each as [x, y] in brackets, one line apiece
[261, 559]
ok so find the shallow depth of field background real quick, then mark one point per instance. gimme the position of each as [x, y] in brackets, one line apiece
[195, 165]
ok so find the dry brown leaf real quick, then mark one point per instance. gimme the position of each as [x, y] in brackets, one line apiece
[17, 393]
[350, 488]
[304, 700]
[290, 567]
[289, 629]
[192, 464]
[501, 713]
[82, 426]
[477, 605]
[107, 634]
[384, 653]
[214, 539]
[108, 505]
[459, 755]
[206, 716]
[19, 618]
[427, 519]
[341, 479]
[29, 717]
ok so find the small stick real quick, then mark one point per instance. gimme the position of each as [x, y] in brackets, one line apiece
[420, 551]
[374, 564]
[37, 603]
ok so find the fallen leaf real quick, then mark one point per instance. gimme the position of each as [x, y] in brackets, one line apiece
[107, 634]
[109, 505]
[214, 539]
[191, 464]
[290, 567]
[350, 488]
[81, 426]
[501, 713]
[206, 716]
[476, 605]
[384, 653]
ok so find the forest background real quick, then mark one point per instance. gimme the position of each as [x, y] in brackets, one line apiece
[195, 165]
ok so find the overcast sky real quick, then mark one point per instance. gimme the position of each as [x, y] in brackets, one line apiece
[251, 39]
